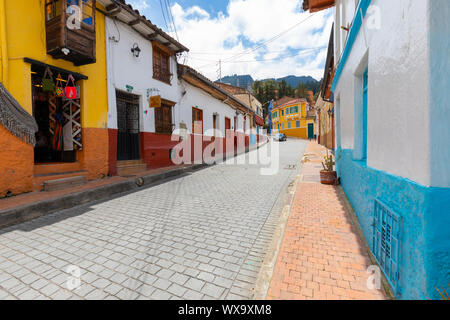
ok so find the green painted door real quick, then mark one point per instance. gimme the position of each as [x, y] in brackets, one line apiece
[310, 131]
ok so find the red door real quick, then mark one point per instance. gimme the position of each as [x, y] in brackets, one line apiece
[227, 125]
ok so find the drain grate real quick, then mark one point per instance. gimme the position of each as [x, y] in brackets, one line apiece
[386, 241]
[290, 167]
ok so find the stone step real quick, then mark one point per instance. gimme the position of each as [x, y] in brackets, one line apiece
[64, 183]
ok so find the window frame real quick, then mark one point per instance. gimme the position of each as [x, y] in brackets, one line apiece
[160, 72]
[159, 116]
[197, 111]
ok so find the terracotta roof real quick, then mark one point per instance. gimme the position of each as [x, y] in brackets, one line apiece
[285, 101]
[122, 11]
[184, 70]
[317, 5]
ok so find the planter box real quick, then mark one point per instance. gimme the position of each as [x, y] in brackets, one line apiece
[328, 177]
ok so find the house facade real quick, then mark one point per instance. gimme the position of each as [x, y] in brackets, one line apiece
[43, 40]
[293, 118]
[142, 64]
[256, 118]
[391, 107]
[325, 105]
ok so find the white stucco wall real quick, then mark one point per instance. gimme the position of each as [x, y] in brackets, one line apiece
[397, 57]
[125, 69]
[196, 97]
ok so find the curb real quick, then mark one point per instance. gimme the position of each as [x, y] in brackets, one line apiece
[34, 210]
[268, 267]
[20, 214]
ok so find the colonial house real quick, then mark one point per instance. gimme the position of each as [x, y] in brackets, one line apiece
[142, 64]
[293, 117]
[53, 113]
[324, 105]
[246, 97]
[392, 134]
[209, 112]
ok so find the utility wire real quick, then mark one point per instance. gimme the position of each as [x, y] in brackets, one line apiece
[272, 39]
[263, 43]
[169, 10]
[164, 15]
[302, 51]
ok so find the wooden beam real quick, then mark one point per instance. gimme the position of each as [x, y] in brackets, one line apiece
[134, 22]
[113, 10]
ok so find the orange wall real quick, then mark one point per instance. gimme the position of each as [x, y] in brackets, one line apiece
[16, 169]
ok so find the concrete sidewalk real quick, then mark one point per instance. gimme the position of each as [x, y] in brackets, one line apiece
[322, 256]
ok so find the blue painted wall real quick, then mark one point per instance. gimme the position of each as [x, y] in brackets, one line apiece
[424, 261]
[440, 92]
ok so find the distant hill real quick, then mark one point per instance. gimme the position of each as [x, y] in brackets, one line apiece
[243, 81]
[294, 81]
[246, 81]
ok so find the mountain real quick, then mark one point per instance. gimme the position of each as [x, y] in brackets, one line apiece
[246, 81]
[243, 81]
[294, 81]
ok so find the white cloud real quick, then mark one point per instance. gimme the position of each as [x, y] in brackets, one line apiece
[245, 25]
[140, 5]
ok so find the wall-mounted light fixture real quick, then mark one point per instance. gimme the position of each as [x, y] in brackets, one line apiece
[136, 50]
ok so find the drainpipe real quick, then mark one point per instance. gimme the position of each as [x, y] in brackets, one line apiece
[4, 44]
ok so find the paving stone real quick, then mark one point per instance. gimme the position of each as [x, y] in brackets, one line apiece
[194, 284]
[204, 235]
[212, 290]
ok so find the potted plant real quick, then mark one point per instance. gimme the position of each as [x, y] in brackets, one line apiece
[328, 175]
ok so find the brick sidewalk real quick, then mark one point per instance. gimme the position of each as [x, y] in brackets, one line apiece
[321, 257]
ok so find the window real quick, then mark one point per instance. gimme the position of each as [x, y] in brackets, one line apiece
[163, 119]
[297, 124]
[161, 65]
[275, 115]
[282, 113]
[53, 9]
[282, 126]
[289, 125]
[197, 121]
[86, 10]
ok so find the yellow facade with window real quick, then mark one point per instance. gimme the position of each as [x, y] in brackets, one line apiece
[292, 120]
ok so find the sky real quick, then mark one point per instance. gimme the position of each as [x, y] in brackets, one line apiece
[263, 38]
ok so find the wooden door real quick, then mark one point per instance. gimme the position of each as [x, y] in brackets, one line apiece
[227, 125]
[197, 121]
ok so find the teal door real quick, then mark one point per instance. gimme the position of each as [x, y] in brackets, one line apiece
[310, 131]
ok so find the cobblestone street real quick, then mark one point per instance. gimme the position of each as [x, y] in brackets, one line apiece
[201, 236]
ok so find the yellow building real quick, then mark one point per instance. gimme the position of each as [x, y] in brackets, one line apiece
[292, 117]
[58, 40]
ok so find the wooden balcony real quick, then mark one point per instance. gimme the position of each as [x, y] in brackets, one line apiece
[75, 44]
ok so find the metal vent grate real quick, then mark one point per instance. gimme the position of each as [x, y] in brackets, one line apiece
[386, 235]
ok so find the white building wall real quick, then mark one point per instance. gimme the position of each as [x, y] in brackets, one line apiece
[398, 88]
[196, 97]
[125, 69]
